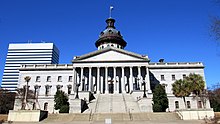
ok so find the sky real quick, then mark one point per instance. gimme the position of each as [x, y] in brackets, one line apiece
[175, 30]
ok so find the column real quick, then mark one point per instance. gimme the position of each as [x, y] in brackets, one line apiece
[74, 80]
[90, 82]
[81, 79]
[139, 77]
[131, 80]
[123, 80]
[115, 83]
[147, 80]
[98, 81]
[106, 80]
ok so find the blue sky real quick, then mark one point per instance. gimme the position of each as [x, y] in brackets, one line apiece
[176, 30]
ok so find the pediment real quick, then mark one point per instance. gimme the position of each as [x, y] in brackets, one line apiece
[111, 54]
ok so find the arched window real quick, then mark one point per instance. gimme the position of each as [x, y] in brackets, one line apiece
[177, 104]
[45, 106]
[199, 104]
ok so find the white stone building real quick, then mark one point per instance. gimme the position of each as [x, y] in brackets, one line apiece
[111, 74]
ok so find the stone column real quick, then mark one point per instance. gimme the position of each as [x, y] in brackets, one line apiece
[98, 80]
[131, 80]
[90, 82]
[74, 80]
[106, 80]
[123, 80]
[115, 83]
[139, 77]
[147, 80]
[81, 79]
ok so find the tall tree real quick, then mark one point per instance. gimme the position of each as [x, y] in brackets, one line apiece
[181, 88]
[61, 101]
[197, 84]
[160, 100]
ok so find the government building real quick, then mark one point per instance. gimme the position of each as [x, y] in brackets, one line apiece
[109, 79]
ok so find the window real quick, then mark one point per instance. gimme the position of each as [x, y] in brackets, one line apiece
[184, 76]
[70, 78]
[36, 90]
[59, 87]
[199, 104]
[69, 89]
[48, 78]
[38, 79]
[173, 78]
[162, 78]
[59, 79]
[47, 87]
[188, 104]
[177, 104]
[34, 106]
[45, 106]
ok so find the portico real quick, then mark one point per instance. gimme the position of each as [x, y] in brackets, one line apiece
[111, 79]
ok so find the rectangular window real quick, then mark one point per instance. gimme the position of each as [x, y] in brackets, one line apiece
[38, 79]
[173, 77]
[48, 78]
[188, 104]
[162, 77]
[59, 79]
[199, 104]
[59, 87]
[69, 89]
[70, 78]
[47, 87]
[184, 76]
[177, 104]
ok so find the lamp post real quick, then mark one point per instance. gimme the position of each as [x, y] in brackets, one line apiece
[77, 91]
[144, 96]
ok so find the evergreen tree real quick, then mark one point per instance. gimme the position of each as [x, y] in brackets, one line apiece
[160, 99]
[61, 101]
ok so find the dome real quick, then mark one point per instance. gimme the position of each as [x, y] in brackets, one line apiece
[110, 35]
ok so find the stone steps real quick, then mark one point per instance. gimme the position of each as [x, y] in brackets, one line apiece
[163, 116]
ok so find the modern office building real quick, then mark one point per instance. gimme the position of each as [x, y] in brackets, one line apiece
[26, 53]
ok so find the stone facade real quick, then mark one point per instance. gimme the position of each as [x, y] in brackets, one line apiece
[110, 70]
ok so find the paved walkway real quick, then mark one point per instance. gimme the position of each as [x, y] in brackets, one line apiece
[120, 122]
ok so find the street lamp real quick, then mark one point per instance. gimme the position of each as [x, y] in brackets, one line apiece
[77, 91]
[144, 96]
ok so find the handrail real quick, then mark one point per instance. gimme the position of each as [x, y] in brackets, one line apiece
[126, 108]
[90, 115]
[180, 114]
[130, 116]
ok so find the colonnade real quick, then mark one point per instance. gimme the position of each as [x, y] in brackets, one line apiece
[111, 79]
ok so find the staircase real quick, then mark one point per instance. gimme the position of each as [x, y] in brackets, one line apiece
[110, 103]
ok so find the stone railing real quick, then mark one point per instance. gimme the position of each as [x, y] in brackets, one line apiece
[47, 66]
[177, 64]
